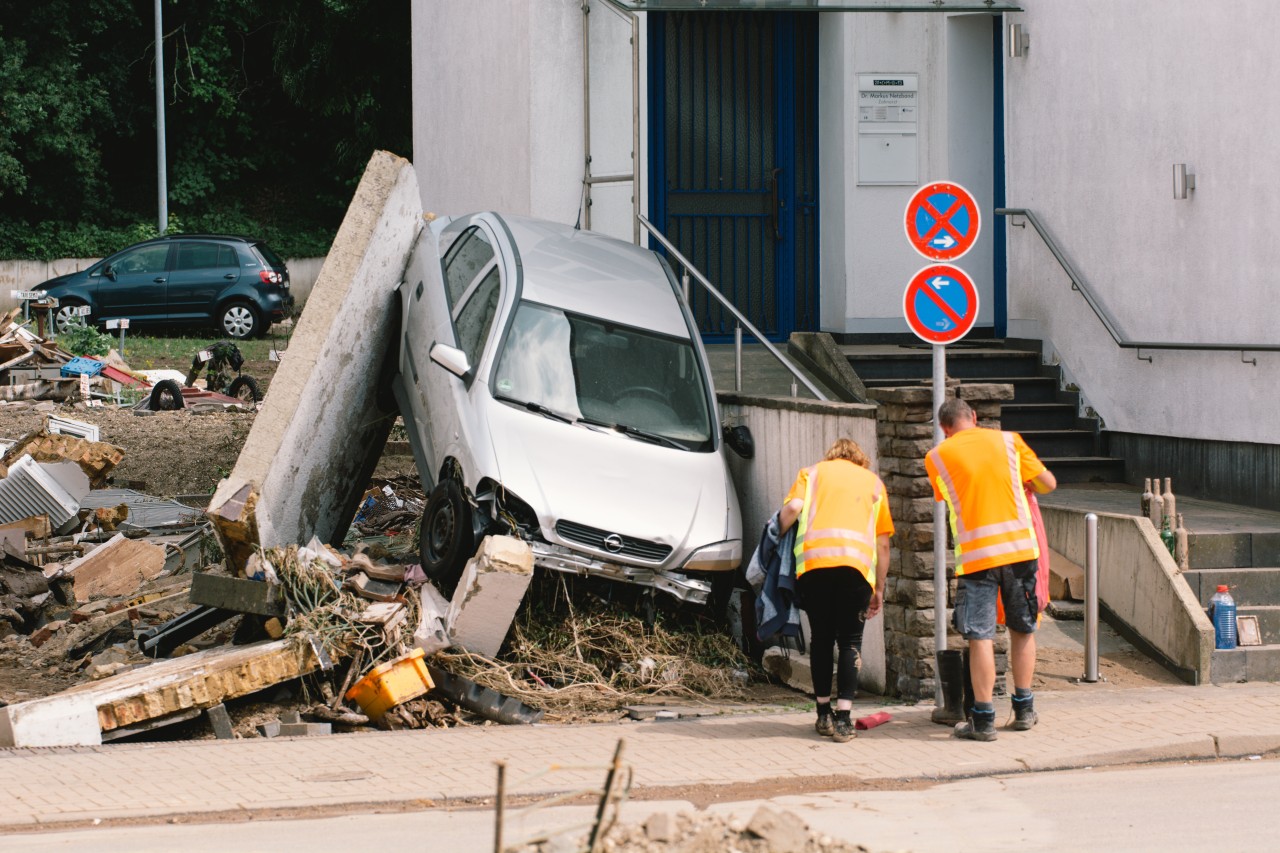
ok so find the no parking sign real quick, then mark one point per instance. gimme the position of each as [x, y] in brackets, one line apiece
[943, 221]
[940, 304]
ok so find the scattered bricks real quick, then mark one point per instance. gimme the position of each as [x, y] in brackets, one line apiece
[42, 635]
[287, 717]
[220, 722]
[271, 728]
[489, 593]
[782, 832]
[666, 716]
[305, 729]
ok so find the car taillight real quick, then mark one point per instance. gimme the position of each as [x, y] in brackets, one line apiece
[270, 277]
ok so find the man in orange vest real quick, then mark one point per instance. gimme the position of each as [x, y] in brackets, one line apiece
[980, 474]
[841, 566]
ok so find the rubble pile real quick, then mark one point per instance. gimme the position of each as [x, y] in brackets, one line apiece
[767, 831]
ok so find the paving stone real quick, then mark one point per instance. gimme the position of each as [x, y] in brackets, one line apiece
[305, 729]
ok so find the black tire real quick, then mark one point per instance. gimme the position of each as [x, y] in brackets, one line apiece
[63, 315]
[445, 538]
[166, 396]
[244, 389]
[239, 320]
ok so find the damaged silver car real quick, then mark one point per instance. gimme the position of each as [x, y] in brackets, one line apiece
[554, 387]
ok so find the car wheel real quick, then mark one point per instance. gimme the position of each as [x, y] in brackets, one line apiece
[239, 320]
[244, 389]
[64, 317]
[166, 396]
[445, 540]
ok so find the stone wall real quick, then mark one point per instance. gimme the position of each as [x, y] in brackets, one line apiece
[905, 430]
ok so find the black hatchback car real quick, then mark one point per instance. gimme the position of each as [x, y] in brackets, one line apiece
[234, 283]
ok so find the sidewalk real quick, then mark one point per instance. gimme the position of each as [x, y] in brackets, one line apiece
[441, 768]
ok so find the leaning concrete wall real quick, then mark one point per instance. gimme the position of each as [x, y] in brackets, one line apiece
[1140, 583]
[297, 475]
[791, 434]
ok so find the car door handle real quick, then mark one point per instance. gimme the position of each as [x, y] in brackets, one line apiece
[229, 276]
[158, 280]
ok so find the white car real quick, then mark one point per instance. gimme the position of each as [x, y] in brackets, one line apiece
[554, 387]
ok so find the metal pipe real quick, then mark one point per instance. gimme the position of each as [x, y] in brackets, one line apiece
[729, 306]
[586, 114]
[684, 284]
[162, 181]
[1091, 598]
[635, 129]
[737, 360]
[939, 522]
[499, 806]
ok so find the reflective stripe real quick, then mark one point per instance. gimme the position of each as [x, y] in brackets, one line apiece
[859, 553]
[1000, 549]
[838, 533]
[995, 529]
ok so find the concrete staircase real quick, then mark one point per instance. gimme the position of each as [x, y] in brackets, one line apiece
[1248, 562]
[1045, 414]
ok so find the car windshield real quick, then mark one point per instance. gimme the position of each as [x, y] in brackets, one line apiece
[584, 368]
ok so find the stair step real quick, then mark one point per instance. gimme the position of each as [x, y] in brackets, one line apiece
[1020, 417]
[1249, 585]
[1245, 663]
[960, 365]
[1060, 442]
[1268, 620]
[1085, 469]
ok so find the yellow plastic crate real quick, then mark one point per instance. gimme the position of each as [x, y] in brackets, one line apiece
[391, 683]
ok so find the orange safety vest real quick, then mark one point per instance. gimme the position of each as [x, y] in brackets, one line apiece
[978, 472]
[843, 504]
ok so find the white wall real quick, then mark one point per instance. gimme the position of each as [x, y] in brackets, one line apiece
[497, 117]
[866, 259]
[1107, 99]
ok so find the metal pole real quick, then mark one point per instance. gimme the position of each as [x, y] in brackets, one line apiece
[1091, 598]
[737, 359]
[586, 111]
[162, 183]
[499, 807]
[684, 283]
[939, 522]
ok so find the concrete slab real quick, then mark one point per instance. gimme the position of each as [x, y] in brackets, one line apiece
[490, 591]
[298, 476]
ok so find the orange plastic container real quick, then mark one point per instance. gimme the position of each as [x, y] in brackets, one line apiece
[391, 683]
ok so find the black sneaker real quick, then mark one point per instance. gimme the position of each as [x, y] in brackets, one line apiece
[826, 725]
[844, 730]
[975, 729]
[1024, 716]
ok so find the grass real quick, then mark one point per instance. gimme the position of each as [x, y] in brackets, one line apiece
[146, 352]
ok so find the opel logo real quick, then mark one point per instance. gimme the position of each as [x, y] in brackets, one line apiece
[613, 542]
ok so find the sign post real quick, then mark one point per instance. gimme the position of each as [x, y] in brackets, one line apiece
[941, 305]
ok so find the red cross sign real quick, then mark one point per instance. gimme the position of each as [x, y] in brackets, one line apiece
[943, 221]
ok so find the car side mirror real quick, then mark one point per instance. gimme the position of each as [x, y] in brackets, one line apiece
[109, 272]
[451, 359]
[740, 441]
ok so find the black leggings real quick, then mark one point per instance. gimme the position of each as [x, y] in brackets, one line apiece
[835, 599]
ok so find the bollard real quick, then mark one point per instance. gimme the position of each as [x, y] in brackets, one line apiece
[1091, 599]
[737, 359]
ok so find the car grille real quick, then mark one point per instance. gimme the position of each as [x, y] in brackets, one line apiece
[592, 537]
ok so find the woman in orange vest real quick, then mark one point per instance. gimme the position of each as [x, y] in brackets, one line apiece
[842, 560]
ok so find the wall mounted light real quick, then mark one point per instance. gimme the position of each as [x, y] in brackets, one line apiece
[1183, 181]
[1019, 40]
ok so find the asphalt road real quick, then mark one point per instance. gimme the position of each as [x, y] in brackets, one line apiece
[1186, 806]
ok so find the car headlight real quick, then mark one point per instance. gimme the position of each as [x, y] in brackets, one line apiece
[716, 557]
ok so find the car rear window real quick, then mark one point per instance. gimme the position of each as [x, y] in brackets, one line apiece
[269, 256]
[201, 256]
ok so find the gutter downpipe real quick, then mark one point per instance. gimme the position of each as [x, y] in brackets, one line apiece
[588, 179]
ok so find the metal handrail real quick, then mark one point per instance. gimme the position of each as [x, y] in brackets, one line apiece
[1113, 329]
[743, 322]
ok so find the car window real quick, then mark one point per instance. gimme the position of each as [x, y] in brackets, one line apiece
[267, 255]
[466, 259]
[142, 260]
[476, 317]
[200, 256]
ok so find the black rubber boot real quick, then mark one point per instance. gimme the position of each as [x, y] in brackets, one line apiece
[950, 666]
[968, 686]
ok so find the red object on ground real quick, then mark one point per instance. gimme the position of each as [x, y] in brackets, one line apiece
[123, 378]
[872, 720]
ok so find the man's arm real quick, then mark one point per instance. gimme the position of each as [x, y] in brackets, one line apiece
[882, 575]
[1044, 482]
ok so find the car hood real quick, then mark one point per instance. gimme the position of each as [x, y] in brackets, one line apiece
[603, 479]
[57, 280]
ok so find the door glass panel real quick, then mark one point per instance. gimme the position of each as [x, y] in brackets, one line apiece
[476, 317]
[197, 256]
[144, 260]
[465, 260]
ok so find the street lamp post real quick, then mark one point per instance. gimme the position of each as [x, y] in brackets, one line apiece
[161, 178]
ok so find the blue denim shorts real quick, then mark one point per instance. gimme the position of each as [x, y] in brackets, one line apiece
[975, 613]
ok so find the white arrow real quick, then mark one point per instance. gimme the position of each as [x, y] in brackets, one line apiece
[944, 240]
[939, 282]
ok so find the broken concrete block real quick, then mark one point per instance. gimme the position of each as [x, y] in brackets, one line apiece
[661, 827]
[94, 458]
[305, 729]
[313, 444]
[238, 594]
[790, 667]
[374, 590]
[220, 722]
[782, 832]
[432, 634]
[271, 728]
[43, 634]
[117, 567]
[489, 593]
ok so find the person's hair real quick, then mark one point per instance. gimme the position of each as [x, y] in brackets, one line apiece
[955, 410]
[847, 448]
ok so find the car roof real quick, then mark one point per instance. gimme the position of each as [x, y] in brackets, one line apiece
[234, 238]
[590, 273]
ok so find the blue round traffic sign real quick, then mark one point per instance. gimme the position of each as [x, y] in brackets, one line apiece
[943, 221]
[940, 304]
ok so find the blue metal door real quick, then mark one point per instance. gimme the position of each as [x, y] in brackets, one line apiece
[733, 140]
